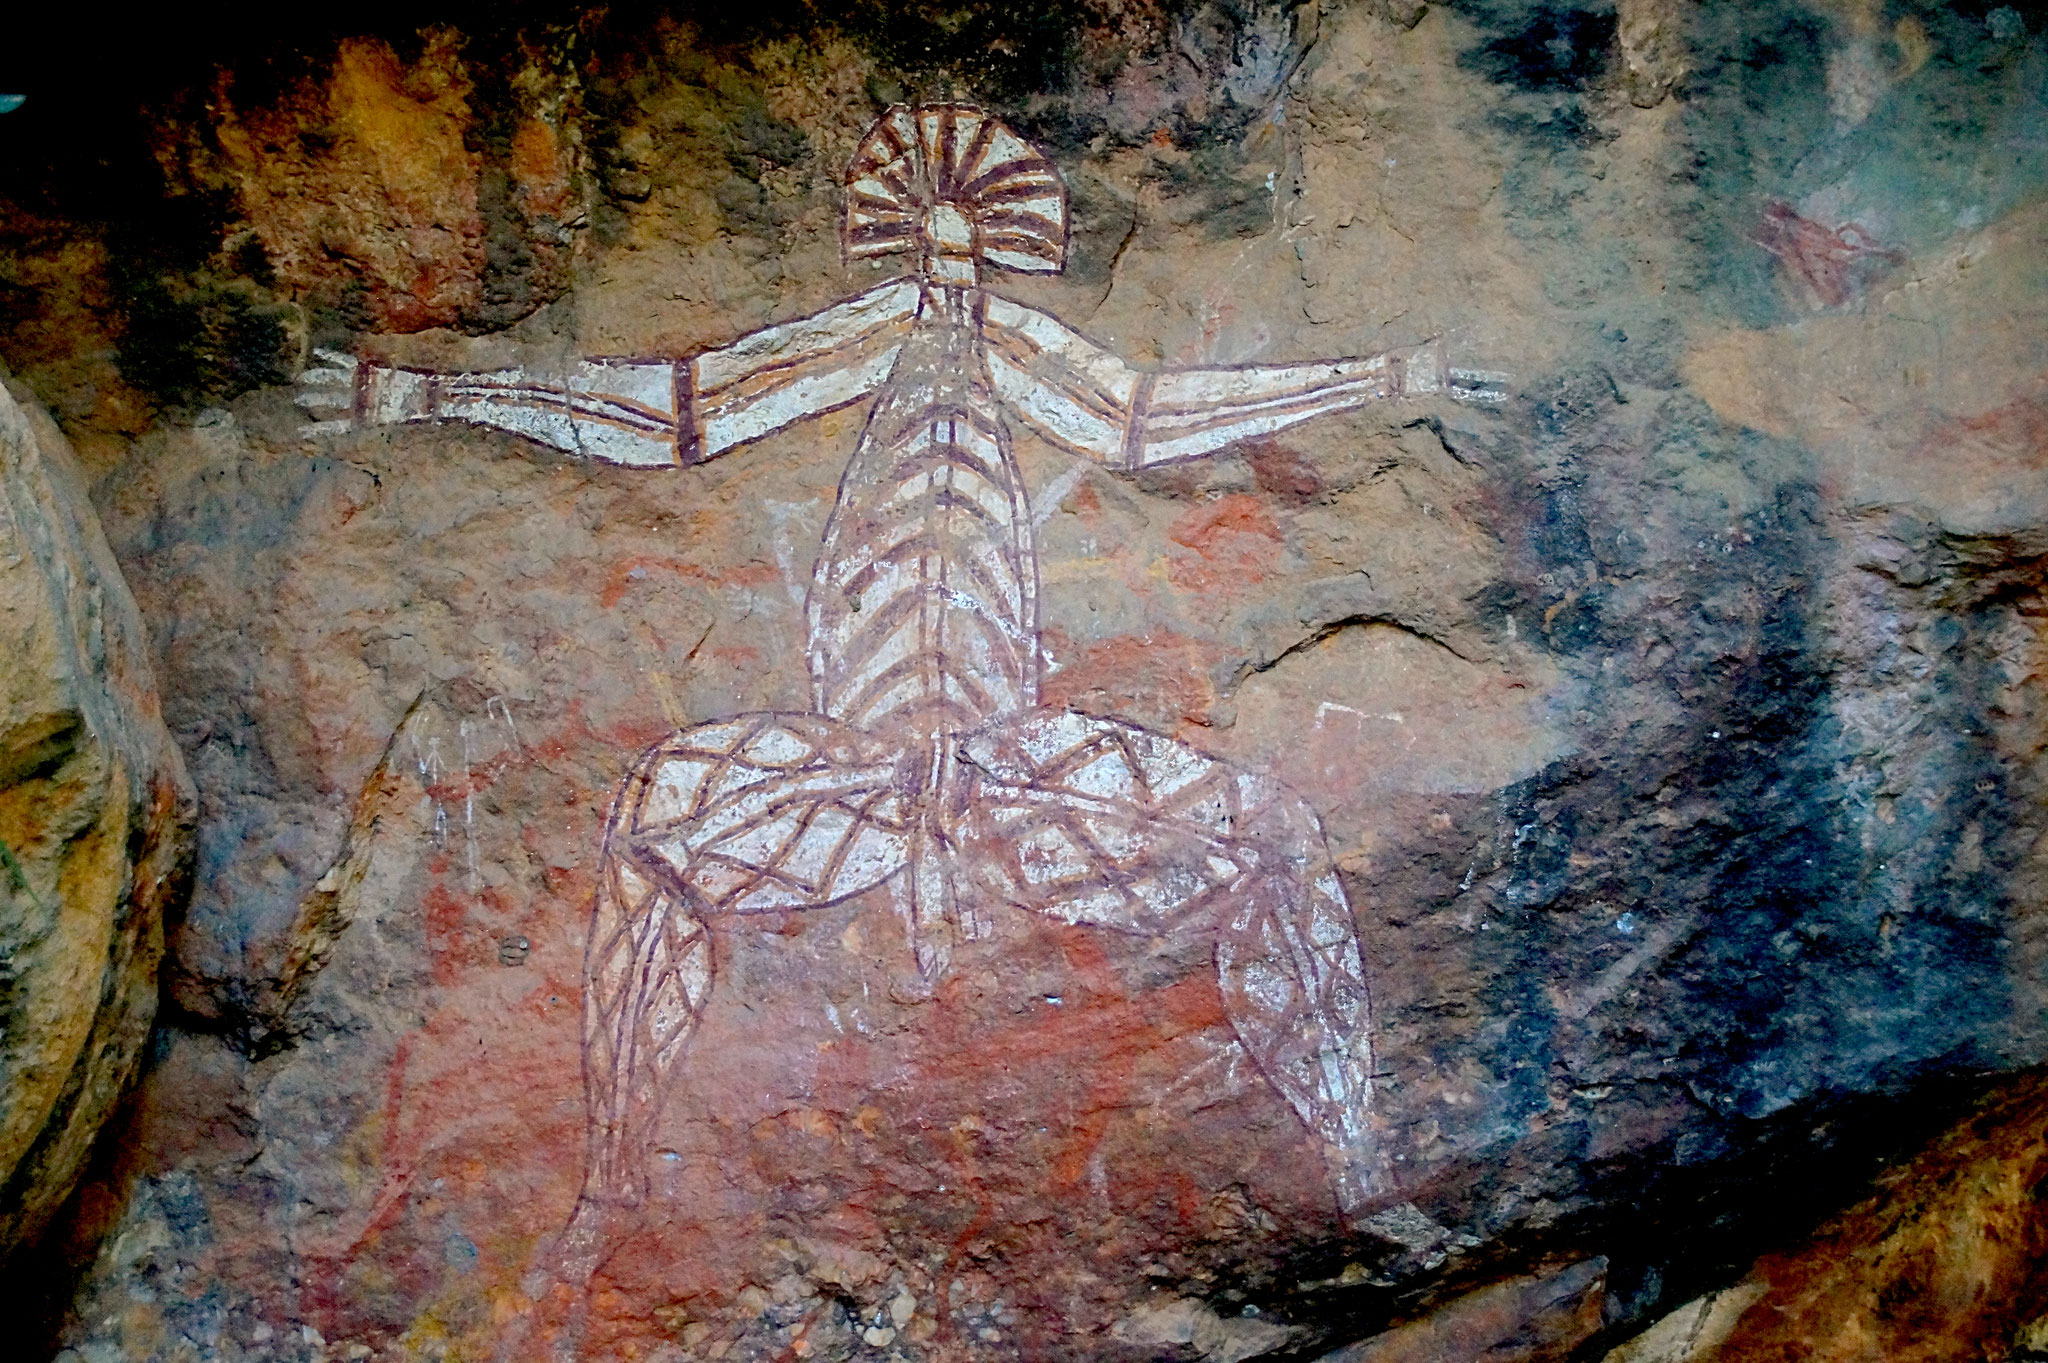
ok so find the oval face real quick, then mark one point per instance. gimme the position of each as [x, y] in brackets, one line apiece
[948, 256]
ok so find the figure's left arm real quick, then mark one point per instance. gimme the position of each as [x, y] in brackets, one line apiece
[1083, 398]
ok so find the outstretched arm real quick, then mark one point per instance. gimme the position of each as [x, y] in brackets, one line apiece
[620, 411]
[643, 412]
[1084, 399]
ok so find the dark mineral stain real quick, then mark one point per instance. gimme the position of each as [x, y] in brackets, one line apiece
[1697, 882]
[761, 142]
[204, 344]
[195, 331]
[1013, 50]
[1552, 49]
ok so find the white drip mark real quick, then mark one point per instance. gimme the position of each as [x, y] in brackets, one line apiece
[781, 513]
[476, 879]
[496, 705]
[428, 761]
[1047, 503]
[974, 605]
[1323, 711]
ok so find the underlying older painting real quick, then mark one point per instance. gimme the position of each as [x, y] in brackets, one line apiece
[926, 768]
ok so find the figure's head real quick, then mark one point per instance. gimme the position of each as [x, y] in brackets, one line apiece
[958, 189]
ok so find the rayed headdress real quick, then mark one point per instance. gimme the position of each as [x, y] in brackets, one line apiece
[959, 189]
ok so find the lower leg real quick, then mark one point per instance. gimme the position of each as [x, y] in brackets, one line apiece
[647, 977]
[1295, 989]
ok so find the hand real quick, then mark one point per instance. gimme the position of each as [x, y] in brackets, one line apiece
[1477, 385]
[330, 389]
[1427, 371]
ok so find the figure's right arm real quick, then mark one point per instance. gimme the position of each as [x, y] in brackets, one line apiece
[620, 411]
[650, 413]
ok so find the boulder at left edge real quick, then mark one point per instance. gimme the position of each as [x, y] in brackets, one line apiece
[96, 825]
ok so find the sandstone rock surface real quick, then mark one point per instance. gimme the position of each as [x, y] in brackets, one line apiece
[1522, 1320]
[95, 826]
[1948, 1260]
[1676, 726]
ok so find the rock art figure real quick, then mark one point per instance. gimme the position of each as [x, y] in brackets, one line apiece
[1833, 265]
[927, 769]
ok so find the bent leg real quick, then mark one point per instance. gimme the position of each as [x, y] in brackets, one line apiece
[765, 812]
[756, 814]
[648, 973]
[1097, 821]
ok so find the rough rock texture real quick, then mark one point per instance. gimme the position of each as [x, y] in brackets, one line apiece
[1677, 725]
[95, 826]
[1521, 1320]
[1948, 1260]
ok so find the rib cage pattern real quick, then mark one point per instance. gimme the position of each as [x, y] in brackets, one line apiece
[923, 608]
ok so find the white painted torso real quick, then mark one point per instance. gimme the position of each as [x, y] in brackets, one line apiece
[923, 612]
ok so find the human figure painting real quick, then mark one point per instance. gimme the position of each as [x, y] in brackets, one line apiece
[926, 768]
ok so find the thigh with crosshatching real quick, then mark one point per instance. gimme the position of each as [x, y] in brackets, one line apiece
[1100, 821]
[762, 813]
